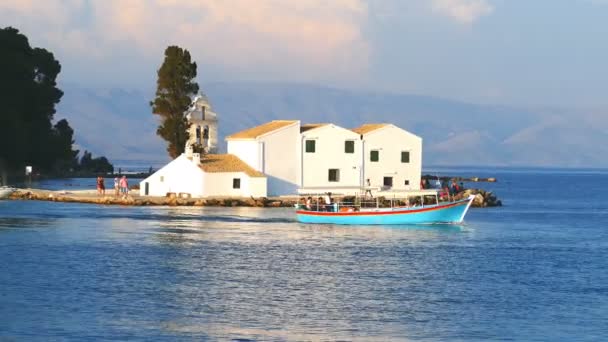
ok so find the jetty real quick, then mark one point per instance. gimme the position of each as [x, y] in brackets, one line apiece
[482, 199]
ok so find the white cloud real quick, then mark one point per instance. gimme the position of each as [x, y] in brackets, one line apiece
[299, 39]
[463, 11]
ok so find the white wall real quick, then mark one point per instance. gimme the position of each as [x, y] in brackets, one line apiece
[257, 187]
[281, 160]
[248, 151]
[390, 141]
[180, 175]
[329, 154]
[220, 184]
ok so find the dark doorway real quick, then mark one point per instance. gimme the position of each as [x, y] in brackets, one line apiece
[388, 182]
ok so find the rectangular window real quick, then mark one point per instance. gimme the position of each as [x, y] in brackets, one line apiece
[334, 175]
[349, 146]
[236, 183]
[388, 181]
[405, 156]
[374, 156]
[310, 146]
[162, 179]
[407, 182]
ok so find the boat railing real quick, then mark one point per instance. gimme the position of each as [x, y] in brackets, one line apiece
[363, 203]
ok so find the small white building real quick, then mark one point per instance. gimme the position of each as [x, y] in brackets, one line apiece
[213, 175]
[331, 159]
[392, 157]
[272, 148]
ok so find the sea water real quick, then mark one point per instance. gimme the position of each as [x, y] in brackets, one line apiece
[534, 269]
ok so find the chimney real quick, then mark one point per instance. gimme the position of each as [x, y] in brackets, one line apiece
[196, 158]
[189, 151]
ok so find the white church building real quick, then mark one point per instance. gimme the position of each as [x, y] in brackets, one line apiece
[318, 158]
[285, 157]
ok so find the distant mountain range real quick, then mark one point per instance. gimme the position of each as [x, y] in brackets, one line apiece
[118, 123]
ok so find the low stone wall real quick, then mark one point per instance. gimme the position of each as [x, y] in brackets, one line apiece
[42, 195]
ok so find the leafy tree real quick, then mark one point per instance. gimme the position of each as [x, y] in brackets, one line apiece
[63, 136]
[174, 88]
[94, 165]
[28, 94]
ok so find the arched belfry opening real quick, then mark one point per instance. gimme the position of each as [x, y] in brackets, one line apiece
[203, 125]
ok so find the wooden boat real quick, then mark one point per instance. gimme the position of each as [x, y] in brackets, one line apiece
[446, 212]
[6, 191]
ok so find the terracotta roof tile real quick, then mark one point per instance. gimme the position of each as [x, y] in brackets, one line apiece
[227, 163]
[308, 127]
[254, 132]
[367, 128]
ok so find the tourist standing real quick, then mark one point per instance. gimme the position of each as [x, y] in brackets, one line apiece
[102, 182]
[124, 186]
[101, 189]
[116, 186]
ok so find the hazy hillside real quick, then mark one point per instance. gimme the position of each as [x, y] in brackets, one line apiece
[118, 123]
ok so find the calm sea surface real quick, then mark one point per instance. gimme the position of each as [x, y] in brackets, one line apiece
[535, 269]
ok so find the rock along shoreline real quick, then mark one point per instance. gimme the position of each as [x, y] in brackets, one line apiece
[482, 199]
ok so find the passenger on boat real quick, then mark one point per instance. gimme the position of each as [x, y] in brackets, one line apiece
[320, 206]
[328, 202]
[309, 203]
[368, 190]
[454, 189]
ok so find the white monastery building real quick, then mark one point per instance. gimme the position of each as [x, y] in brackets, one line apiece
[284, 157]
[273, 149]
[211, 175]
[331, 158]
[392, 157]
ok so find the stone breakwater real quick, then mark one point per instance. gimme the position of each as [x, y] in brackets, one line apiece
[136, 200]
[482, 199]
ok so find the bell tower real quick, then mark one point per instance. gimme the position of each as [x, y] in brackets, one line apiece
[202, 125]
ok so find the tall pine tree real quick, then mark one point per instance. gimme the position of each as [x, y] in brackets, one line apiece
[174, 88]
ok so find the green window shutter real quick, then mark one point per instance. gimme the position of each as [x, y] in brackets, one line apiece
[349, 146]
[374, 156]
[405, 157]
[310, 146]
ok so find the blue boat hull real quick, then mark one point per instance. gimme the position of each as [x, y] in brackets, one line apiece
[452, 212]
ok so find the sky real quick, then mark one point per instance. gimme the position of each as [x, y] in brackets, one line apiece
[512, 52]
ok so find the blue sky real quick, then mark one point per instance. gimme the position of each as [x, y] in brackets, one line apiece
[515, 52]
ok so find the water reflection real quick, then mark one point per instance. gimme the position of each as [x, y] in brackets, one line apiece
[24, 222]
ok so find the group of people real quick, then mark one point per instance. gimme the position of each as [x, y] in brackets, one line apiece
[325, 203]
[451, 187]
[121, 186]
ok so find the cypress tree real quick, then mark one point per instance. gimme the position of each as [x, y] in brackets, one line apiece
[174, 88]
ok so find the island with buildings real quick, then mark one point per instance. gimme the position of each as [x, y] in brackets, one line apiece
[275, 163]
